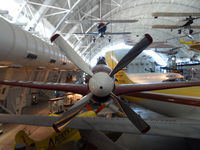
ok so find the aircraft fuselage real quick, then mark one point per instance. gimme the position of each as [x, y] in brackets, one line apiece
[101, 29]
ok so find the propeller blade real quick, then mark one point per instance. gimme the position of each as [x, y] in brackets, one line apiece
[72, 112]
[139, 123]
[71, 54]
[67, 87]
[124, 89]
[133, 53]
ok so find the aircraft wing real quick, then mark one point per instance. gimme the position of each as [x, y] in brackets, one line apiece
[67, 87]
[161, 126]
[165, 26]
[174, 14]
[102, 20]
[126, 89]
[92, 34]
[179, 99]
[172, 27]
[116, 33]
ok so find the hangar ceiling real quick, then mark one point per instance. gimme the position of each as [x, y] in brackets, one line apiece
[69, 16]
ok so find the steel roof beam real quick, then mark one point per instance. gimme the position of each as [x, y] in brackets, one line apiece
[48, 5]
[39, 14]
[66, 15]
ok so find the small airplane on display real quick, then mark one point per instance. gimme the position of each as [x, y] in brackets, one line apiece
[172, 51]
[101, 88]
[194, 46]
[102, 28]
[183, 25]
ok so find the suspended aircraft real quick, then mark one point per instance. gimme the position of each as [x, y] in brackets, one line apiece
[183, 25]
[102, 29]
[100, 88]
[194, 46]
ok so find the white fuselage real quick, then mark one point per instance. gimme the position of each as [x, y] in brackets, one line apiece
[166, 108]
[153, 77]
[172, 109]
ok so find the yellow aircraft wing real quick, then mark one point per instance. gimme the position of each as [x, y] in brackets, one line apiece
[55, 140]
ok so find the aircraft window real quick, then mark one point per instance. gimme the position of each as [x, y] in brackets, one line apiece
[52, 61]
[31, 56]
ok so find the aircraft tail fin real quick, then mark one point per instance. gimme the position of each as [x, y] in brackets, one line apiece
[121, 77]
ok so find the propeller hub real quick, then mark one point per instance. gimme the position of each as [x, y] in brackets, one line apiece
[101, 84]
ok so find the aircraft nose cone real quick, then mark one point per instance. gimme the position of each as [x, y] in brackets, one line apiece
[101, 84]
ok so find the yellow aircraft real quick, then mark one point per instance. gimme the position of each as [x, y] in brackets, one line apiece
[55, 140]
[195, 46]
[178, 102]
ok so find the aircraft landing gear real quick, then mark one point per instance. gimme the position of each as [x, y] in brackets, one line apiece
[109, 39]
[94, 39]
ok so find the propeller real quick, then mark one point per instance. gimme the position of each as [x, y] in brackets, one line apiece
[101, 84]
[133, 53]
[71, 54]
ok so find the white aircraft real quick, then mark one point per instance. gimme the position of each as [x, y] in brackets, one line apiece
[154, 77]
